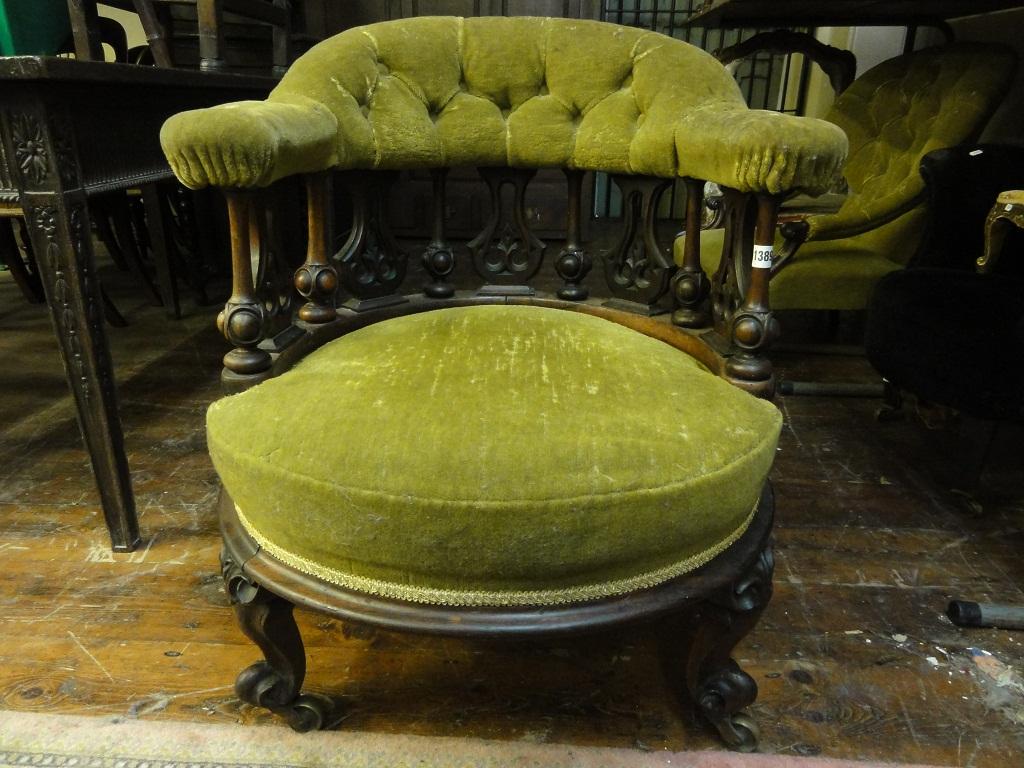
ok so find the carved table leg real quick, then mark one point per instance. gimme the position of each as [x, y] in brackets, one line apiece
[42, 146]
[719, 688]
[275, 683]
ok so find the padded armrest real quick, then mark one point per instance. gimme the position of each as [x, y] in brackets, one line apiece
[858, 214]
[250, 143]
[754, 150]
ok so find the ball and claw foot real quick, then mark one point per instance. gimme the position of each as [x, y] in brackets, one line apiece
[261, 686]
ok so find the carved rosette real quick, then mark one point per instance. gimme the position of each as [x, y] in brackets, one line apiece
[35, 160]
[31, 154]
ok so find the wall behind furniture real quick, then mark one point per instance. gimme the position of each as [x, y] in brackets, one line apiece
[1006, 27]
[128, 20]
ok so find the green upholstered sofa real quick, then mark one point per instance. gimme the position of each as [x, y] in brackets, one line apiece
[894, 115]
[501, 462]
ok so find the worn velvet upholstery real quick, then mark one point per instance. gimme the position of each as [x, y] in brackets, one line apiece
[437, 92]
[894, 115]
[494, 455]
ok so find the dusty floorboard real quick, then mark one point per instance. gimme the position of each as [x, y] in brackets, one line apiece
[853, 656]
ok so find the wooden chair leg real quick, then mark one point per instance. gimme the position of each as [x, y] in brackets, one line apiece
[717, 685]
[718, 688]
[276, 682]
[156, 32]
[156, 224]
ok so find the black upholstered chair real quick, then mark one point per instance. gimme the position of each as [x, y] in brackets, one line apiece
[943, 330]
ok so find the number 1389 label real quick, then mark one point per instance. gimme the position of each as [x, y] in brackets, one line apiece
[762, 256]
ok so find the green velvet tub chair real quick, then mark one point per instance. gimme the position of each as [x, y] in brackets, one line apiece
[500, 462]
[894, 115]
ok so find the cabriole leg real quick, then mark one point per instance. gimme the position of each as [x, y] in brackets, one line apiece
[276, 682]
[717, 685]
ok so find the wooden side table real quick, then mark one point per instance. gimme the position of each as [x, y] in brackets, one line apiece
[71, 130]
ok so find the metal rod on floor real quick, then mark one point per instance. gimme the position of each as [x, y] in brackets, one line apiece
[965, 613]
[831, 389]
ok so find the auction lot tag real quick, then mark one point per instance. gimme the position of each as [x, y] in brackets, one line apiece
[762, 256]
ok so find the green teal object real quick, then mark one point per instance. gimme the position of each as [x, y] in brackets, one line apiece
[894, 115]
[494, 455]
[436, 92]
[33, 27]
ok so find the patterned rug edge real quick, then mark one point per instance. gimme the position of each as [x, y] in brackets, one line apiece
[73, 741]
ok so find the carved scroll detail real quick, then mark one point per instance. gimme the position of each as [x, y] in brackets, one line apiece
[638, 269]
[276, 682]
[370, 263]
[506, 251]
[720, 688]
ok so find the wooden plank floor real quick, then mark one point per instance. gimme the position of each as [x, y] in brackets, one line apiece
[854, 657]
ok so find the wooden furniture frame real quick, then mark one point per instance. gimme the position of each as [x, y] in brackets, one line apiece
[52, 163]
[730, 324]
[723, 600]
[210, 15]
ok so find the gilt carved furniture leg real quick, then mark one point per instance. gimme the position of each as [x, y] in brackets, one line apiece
[276, 682]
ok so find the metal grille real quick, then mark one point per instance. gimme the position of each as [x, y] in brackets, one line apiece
[768, 81]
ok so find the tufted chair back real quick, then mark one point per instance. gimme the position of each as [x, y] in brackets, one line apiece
[901, 110]
[436, 92]
[516, 91]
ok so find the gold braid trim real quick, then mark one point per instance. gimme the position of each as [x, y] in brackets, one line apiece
[483, 597]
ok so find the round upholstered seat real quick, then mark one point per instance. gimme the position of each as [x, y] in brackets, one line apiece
[494, 455]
